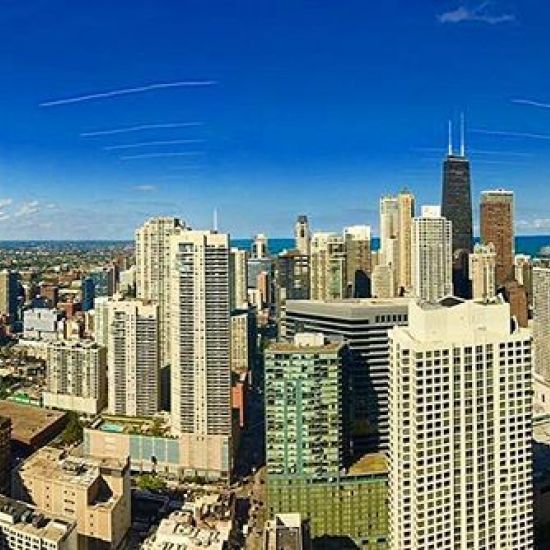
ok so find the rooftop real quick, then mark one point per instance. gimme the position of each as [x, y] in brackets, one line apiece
[286, 347]
[155, 427]
[375, 463]
[29, 422]
[27, 519]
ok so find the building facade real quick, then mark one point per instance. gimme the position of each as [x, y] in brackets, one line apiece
[460, 429]
[133, 358]
[358, 260]
[482, 272]
[201, 362]
[328, 269]
[302, 235]
[432, 255]
[497, 227]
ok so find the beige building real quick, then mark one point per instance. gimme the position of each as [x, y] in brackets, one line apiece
[76, 376]
[302, 235]
[482, 271]
[93, 492]
[405, 210]
[25, 527]
[389, 229]
[153, 272]
[541, 322]
[8, 293]
[240, 345]
[201, 362]
[238, 276]
[432, 259]
[460, 429]
[328, 271]
[383, 282]
[358, 259]
[133, 358]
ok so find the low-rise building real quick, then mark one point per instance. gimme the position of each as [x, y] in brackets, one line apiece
[93, 492]
[23, 526]
[41, 324]
[288, 532]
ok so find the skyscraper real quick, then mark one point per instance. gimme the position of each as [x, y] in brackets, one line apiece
[541, 322]
[497, 227]
[358, 260]
[9, 287]
[460, 429]
[456, 206]
[302, 235]
[238, 277]
[260, 248]
[133, 358]
[405, 211]
[153, 272]
[431, 255]
[200, 365]
[328, 271]
[389, 229]
[482, 272]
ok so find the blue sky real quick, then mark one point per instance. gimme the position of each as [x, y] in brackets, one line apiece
[297, 107]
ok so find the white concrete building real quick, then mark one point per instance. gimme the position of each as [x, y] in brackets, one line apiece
[76, 376]
[133, 358]
[42, 324]
[153, 272]
[432, 260]
[460, 429]
[482, 272]
[328, 270]
[541, 322]
[238, 275]
[200, 365]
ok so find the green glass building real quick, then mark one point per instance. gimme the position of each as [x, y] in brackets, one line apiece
[307, 447]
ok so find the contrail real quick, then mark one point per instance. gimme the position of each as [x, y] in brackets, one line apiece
[139, 128]
[151, 143]
[159, 155]
[127, 91]
[531, 103]
[510, 134]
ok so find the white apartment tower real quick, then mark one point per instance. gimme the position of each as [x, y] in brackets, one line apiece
[260, 248]
[200, 365]
[76, 376]
[541, 322]
[405, 210]
[133, 358]
[153, 272]
[238, 277]
[482, 272]
[328, 271]
[460, 410]
[432, 255]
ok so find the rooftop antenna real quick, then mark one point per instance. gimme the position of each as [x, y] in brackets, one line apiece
[215, 219]
[462, 136]
[450, 137]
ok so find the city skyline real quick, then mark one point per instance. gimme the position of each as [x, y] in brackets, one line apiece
[152, 119]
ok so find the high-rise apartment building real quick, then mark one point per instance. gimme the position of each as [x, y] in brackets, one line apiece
[5, 453]
[238, 278]
[363, 325]
[133, 358]
[383, 281]
[200, 365]
[9, 289]
[260, 247]
[76, 376]
[153, 272]
[358, 260]
[307, 444]
[497, 227]
[406, 212]
[302, 235]
[328, 270]
[482, 271]
[541, 322]
[460, 429]
[292, 279]
[432, 255]
[389, 229]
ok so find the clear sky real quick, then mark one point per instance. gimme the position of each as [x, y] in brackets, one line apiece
[263, 110]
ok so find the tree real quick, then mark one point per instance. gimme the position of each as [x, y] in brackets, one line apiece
[73, 432]
[151, 482]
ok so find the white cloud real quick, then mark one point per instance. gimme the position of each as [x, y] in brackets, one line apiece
[536, 224]
[145, 188]
[27, 209]
[478, 13]
[5, 202]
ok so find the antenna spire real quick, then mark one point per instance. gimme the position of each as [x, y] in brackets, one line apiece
[450, 151]
[462, 136]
